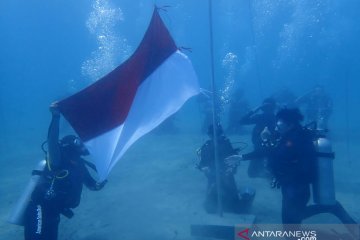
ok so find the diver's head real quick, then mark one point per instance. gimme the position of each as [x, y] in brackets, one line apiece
[286, 119]
[73, 146]
[218, 128]
[268, 105]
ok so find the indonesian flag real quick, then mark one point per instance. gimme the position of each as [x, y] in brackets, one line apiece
[133, 99]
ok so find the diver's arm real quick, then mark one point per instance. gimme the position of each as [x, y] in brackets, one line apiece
[250, 117]
[205, 155]
[303, 98]
[54, 157]
[205, 158]
[90, 182]
[252, 155]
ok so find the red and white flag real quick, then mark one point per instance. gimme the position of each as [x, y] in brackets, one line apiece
[133, 99]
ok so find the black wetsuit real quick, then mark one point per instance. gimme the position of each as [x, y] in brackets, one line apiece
[43, 213]
[293, 163]
[230, 197]
[66, 177]
[257, 164]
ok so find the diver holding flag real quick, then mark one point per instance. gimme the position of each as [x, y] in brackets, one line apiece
[58, 185]
[109, 116]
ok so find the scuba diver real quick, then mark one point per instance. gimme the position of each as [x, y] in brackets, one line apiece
[265, 119]
[230, 197]
[60, 185]
[317, 105]
[293, 162]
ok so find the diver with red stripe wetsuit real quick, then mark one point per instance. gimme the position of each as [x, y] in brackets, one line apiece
[292, 159]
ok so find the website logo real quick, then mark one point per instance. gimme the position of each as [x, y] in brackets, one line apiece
[296, 232]
[244, 234]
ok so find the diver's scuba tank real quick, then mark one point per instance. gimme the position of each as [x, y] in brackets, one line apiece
[17, 214]
[323, 186]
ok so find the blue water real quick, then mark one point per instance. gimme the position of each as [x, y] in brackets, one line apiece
[51, 49]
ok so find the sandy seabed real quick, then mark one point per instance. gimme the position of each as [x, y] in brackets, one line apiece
[155, 192]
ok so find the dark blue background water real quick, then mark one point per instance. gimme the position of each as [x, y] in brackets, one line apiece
[51, 49]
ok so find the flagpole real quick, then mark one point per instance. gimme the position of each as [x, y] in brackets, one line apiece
[214, 114]
[257, 71]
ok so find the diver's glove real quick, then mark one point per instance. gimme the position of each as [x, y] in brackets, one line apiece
[206, 171]
[232, 162]
[100, 185]
[67, 212]
[54, 109]
[275, 183]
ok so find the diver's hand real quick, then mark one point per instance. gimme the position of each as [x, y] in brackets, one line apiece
[54, 109]
[100, 185]
[255, 110]
[232, 162]
[67, 212]
[275, 183]
[206, 171]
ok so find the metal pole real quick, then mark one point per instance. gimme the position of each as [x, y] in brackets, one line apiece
[253, 38]
[214, 114]
[347, 117]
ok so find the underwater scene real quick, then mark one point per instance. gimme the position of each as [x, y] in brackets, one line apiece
[187, 119]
